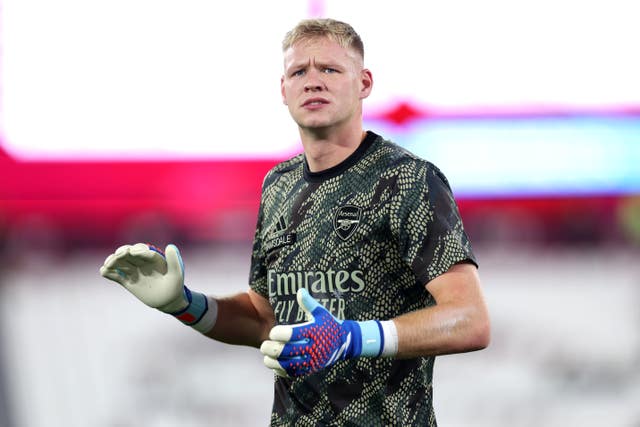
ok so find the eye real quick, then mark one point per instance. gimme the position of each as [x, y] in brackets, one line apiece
[297, 73]
[329, 70]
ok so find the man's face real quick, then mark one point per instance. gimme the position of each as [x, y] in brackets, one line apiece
[323, 84]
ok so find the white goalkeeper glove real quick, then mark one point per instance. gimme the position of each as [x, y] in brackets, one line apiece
[157, 279]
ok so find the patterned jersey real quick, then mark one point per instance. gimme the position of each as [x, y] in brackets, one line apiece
[364, 237]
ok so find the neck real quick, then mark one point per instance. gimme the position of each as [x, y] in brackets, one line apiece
[324, 150]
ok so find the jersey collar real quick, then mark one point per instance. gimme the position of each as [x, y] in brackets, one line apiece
[342, 166]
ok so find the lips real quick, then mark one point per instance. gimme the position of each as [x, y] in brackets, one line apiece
[314, 102]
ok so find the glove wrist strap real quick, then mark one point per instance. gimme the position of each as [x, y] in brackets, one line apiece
[390, 346]
[379, 338]
[201, 313]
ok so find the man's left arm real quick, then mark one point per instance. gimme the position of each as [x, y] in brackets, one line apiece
[459, 322]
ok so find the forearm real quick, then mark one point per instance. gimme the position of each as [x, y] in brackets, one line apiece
[442, 329]
[458, 323]
[242, 321]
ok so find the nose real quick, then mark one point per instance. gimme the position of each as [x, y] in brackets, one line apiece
[313, 83]
[313, 87]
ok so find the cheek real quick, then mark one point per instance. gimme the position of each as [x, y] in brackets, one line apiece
[289, 99]
[353, 91]
[288, 90]
[286, 93]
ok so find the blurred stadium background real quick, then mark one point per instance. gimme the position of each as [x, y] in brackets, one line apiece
[128, 121]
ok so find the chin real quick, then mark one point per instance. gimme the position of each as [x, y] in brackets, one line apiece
[314, 124]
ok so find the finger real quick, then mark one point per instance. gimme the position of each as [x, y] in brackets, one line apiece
[307, 302]
[137, 255]
[122, 250]
[281, 333]
[122, 262]
[147, 259]
[108, 261]
[174, 261]
[111, 274]
[135, 260]
[290, 341]
[274, 365]
[119, 257]
[142, 251]
[288, 367]
[272, 348]
[138, 247]
[125, 276]
[114, 261]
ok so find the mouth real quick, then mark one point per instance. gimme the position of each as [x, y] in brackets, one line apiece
[314, 102]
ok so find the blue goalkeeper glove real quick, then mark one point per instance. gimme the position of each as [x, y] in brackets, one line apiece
[157, 280]
[301, 349]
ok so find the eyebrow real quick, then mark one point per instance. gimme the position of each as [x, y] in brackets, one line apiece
[321, 64]
[329, 64]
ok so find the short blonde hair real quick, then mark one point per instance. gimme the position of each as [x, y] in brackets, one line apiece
[340, 32]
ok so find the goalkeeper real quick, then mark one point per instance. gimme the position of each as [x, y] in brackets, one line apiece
[361, 271]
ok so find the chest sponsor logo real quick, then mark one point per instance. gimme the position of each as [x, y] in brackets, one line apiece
[346, 220]
[331, 288]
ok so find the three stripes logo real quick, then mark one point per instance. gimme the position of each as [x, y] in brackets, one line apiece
[279, 238]
[281, 225]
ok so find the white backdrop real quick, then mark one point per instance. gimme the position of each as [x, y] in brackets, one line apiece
[181, 79]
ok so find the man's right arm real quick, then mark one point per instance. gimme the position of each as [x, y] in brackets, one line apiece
[157, 279]
[243, 319]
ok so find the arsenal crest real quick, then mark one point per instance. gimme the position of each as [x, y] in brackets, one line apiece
[346, 220]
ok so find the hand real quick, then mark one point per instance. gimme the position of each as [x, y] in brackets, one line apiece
[154, 278]
[296, 350]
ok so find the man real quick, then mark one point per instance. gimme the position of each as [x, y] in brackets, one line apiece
[361, 271]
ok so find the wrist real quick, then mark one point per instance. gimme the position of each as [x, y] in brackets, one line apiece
[198, 311]
[379, 338]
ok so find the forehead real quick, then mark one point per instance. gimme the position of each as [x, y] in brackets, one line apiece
[319, 49]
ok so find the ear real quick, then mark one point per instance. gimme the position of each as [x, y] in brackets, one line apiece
[284, 98]
[366, 80]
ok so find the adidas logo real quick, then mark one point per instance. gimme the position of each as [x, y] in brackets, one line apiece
[279, 237]
[281, 224]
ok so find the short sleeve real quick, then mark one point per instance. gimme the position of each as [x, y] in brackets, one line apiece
[257, 272]
[426, 221]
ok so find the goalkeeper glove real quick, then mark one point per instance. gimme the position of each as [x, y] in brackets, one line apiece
[296, 350]
[157, 280]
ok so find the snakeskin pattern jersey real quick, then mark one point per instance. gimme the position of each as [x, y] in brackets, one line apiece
[364, 237]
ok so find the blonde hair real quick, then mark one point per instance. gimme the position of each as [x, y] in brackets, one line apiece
[340, 32]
